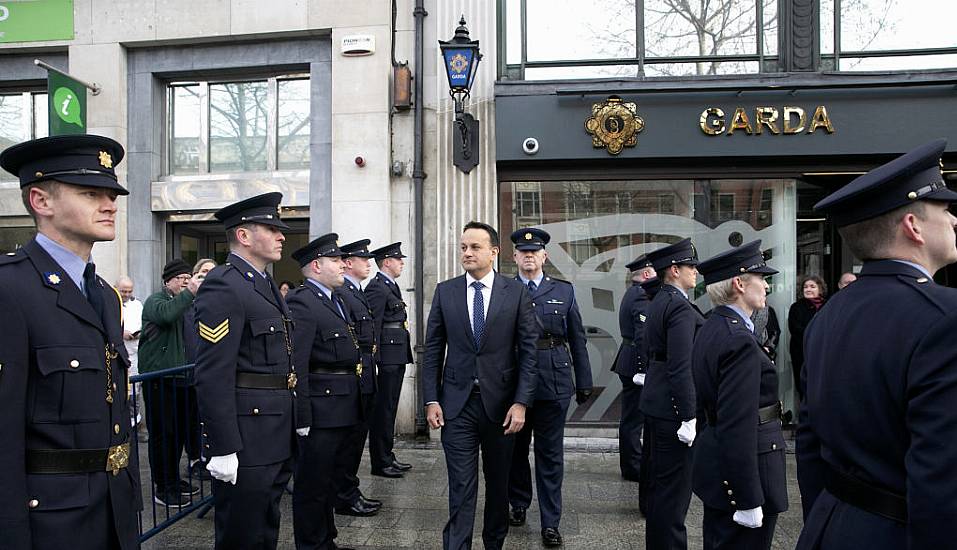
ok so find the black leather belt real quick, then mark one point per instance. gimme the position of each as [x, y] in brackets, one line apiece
[627, 342]
[332, 370]
[394, 324]
[765, 414]
[867, 497]
[367, 348]
[550, 342]
[255, 381]
[658, 356]
[78, 461]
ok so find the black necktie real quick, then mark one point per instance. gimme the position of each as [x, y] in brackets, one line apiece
[532, 287]
[94, 294]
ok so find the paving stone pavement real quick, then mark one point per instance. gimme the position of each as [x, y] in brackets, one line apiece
[600, 508]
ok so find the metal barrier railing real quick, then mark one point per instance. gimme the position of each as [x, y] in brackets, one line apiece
[171, 418]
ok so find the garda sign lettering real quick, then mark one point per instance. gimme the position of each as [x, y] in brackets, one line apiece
[36, 20]
[788, 120]
[458, 63]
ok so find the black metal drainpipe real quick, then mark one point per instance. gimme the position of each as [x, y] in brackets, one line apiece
[418, 181]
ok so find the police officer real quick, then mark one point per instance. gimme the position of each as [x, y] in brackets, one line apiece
[350, 501]
[739, 471]
[326, 342]
[561, 348]
[395, 351]
[668, 399]
[631, 362]
[875, 439]
[67, 478]
[246, 381]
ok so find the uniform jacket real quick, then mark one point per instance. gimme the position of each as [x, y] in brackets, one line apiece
[324, 340]
[243, 313]
[669, 388]
[53, 389]
[504, 362]
[557, 314]
[881, 388]
[366, 333]
[161, 339]
[385, 297]
[632, 316]
[738, 464]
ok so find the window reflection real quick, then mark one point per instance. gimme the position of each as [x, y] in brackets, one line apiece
[186, 143]
[293, 120]
[237, 123]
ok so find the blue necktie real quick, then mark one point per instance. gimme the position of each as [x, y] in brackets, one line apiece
[91, 287]
[478, 313]
[532, 286]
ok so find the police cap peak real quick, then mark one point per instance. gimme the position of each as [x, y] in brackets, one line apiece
[263, 209]
[530, 238]
[913, 176]
[324, 246]
[393, 250]
[86, 159]
[640, 262]
[680, 253]
[746, 258]
[358, 249]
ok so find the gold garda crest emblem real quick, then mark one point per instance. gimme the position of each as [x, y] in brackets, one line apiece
[614, 124]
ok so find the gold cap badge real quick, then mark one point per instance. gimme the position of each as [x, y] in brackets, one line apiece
[106, 161]
[528, 236]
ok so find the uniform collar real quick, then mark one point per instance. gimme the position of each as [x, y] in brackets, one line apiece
[388, 278]
[918, 267]
[537, 281]
[740, 312]
[72, 264]
[683, 293]
[238, 255]
[322, 288]
[355, 282]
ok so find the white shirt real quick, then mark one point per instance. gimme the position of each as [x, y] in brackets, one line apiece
[487, 280]
[133, 322]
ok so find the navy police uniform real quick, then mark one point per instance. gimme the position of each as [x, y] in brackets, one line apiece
[631, 360]
[69, 477]
[667, 400]
[561, 349]
[246, 386]
[739, 450]
[875, 440]
[326, 342]
[349, 499]
[395, 352]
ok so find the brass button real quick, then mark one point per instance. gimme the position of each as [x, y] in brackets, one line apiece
[116, 428]
[336, 335]
[774, 446]
[733, 503]
[74, 364]
[272, 329]
[206, 445]
[114, 386]
[1, 366]
[726, 483]
[328, 392]
[33, 503]
[729, 492]
[255, 411]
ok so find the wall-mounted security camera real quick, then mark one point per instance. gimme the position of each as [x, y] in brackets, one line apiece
[530, 145]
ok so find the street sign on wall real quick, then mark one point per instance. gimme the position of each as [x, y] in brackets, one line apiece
[36, 20]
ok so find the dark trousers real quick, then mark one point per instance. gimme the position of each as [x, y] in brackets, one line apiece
[382, 427]
[722, 533]
[167, 419]
[669, 485]
[629, 430]
[347, 462]
[546, 421]
[314, 496]
[194, 439]
[247, 514]
[462, 437]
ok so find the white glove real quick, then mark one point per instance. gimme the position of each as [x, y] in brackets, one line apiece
[752, 518]
[303, 431]
[686, 431]
[638, 379]
[224, 468]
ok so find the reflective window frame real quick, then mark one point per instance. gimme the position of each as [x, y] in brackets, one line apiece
[32, 121]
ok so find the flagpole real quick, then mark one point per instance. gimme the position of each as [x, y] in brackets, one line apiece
[93, 87]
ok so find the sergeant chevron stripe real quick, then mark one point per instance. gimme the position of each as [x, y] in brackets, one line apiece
[214, 335]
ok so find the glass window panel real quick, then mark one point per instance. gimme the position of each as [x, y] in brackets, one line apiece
[513, 32]
[771, 27]
[189, 249]
[573, 73]
[293, 119]
[700, 28]
[237, 120]
[12, 127]
[827, 26]
[12, 238]
[692, 69]
[869, 25]
[186, 142]
[908, 63]
[41, 116]
[572, 29]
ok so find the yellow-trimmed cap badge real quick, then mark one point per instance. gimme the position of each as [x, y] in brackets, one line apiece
[214, 334]
[528, 236]
[106, 161]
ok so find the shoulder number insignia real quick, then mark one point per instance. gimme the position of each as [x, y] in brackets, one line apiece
[215, 334]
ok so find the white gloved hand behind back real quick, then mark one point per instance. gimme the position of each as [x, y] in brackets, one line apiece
[686, 432]
[303, 432]
[224, 468]
[638, 379]
[752, 518]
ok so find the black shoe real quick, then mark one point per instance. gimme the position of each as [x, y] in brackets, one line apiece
[517, 517]
[186, 489]
[401, 466]
[370, 502]
[551, 537]
[388, 471]
[198, 471]
[171, 499]
[357, 509]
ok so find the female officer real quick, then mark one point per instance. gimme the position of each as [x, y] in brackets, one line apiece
[739, 470]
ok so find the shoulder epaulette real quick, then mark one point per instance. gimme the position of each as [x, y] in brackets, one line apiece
[13, 257]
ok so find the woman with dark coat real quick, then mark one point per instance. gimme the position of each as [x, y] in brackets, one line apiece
[813, 296]
[739, 468]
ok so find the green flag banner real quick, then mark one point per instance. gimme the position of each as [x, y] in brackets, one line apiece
[67, 104]
[36, 21]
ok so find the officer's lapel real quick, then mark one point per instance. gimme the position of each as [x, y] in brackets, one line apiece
[69, 296]
[499, 291]
[546, 287]
[328, 303]
[357, 292]
[461, 295]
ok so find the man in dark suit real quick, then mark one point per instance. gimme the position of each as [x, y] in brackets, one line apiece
[395, 352]
[246, 382]
[559, 323]
[478, 378]
[68, 478]
[326, 342]
[875, 439]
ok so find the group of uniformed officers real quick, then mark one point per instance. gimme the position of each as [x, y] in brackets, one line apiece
[295, 386]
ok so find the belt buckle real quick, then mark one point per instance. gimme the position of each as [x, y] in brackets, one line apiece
[118, 458]
[359, 368]
[405, 324]
[291, 380]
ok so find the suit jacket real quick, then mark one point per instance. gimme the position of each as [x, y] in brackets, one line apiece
[366, 333]
[881, 385]
[385, 299]
[669, 388]
[738, 463]
[325, 341]
[504, 362]
[53, 388]
[632, 316]
[240, 321]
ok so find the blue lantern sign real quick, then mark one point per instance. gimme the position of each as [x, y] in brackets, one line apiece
[461, 56]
